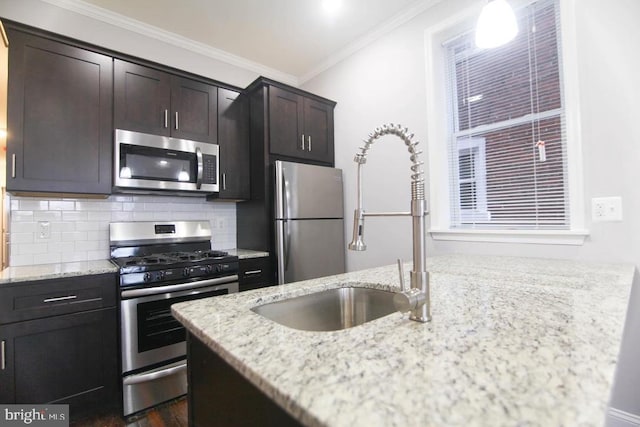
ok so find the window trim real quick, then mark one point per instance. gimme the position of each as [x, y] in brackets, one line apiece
[438, 125]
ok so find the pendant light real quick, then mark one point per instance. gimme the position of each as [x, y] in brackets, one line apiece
[497, 24]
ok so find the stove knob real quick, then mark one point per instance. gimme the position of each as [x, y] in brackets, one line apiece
[147, 277]
[186, 272]
[209, 269]
[219, 268]
[160, 275]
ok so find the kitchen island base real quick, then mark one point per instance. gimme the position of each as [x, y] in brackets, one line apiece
[219, 396]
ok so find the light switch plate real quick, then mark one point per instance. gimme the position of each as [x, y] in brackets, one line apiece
[606, 209]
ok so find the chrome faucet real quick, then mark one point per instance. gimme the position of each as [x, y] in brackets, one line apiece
[416, 298]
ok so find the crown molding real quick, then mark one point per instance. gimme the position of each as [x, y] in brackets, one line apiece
[386, 27]
[151, 31]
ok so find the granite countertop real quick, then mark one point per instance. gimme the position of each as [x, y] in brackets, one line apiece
[247, 253]
[30, 273]
[513, 341]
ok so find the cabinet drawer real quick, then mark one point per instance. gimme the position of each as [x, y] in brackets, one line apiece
[44, 298]
[255, 273]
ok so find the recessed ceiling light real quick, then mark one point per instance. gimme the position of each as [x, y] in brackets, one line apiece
[331, 6]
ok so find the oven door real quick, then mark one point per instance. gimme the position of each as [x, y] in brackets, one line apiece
[149, 333]
[163, 163]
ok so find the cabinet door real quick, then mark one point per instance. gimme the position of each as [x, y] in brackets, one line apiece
[60, 117]
[142, 99]
[255, 273]
[63, 359]
[233, 138]
[286, 123]
[194, 107]
[318, 129]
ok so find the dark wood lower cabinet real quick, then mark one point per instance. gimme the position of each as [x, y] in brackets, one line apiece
[60, 343]
[220, 396]
[255, 273]
[70, 359]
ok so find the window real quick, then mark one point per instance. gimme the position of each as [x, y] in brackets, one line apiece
[511, 98]
[471, 196]
[505, 162]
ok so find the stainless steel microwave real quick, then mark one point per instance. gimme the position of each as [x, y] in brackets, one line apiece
[151, 163]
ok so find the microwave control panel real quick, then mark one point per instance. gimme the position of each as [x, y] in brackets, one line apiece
[210, 170]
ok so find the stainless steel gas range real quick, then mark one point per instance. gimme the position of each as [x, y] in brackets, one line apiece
[160, 264]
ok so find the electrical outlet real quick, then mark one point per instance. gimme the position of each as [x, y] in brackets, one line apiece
[44, 230]
[606, 209]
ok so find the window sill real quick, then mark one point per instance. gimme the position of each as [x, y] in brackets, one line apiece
[543, 237]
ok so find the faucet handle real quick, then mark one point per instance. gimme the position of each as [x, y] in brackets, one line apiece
[403, 286]
[409, 300]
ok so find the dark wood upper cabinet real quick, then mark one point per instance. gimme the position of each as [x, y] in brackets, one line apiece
[233, 139]
[318, 129]
[59, 117]
[142, 98]
[300, 126]
[194, 110]
[152, 101]
[286, 123]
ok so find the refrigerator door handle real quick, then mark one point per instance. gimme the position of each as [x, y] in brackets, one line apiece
[281, 193]
[287, 245]
[283, 237]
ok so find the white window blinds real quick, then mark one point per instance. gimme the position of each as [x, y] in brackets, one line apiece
[507, 143]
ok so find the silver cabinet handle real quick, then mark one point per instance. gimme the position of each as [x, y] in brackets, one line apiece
[67, 298]
[13, 165]
[302, 141]
[176, 120]
[309, 142]
[166, 118]
[252, 272]
[224, 181]
[3, 358]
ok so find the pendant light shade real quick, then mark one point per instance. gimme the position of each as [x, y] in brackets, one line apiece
[497, 24]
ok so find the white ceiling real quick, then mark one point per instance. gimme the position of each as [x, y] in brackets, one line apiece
[295, 37]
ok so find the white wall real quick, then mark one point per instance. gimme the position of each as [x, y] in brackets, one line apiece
[386, 81]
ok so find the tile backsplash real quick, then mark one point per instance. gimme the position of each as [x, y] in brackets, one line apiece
[78, 229]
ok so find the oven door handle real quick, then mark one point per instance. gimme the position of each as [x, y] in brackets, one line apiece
[152, 376]
[181, 287]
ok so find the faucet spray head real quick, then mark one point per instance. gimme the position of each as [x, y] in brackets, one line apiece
[357, 243]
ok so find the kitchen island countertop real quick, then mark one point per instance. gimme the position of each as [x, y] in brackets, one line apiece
[513, 341]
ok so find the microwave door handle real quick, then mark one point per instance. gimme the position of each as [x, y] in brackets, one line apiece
[200, 168]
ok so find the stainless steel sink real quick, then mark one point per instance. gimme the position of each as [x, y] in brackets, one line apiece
[330, 310]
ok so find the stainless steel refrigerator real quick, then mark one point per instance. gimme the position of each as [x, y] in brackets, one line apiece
[309, 221]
